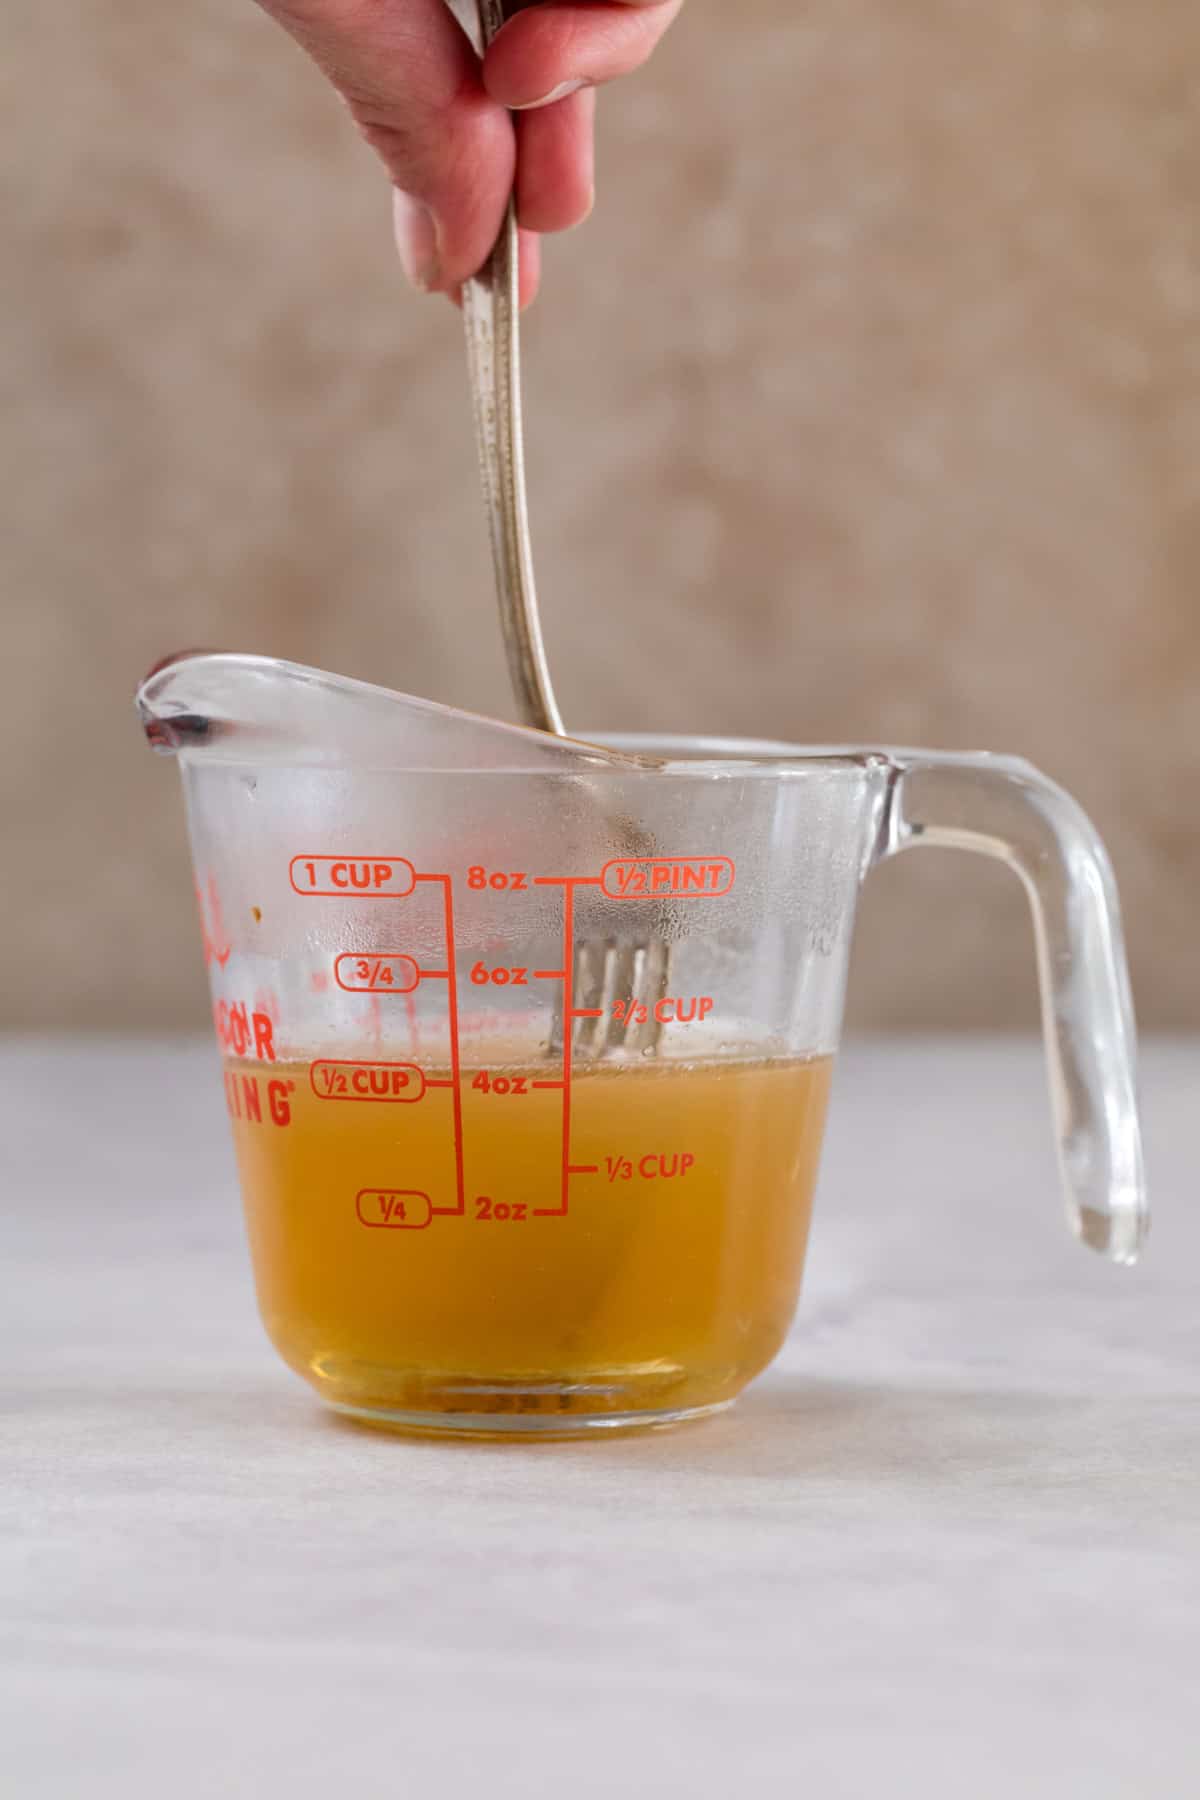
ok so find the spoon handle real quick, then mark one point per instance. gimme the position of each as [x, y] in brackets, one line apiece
[491, 310]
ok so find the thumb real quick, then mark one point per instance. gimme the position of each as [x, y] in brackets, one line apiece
[413, 85]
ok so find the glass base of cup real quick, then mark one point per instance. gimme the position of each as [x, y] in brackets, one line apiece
[541, 1425]
[530, 1403]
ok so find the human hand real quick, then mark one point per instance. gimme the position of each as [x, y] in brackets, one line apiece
[457, 135]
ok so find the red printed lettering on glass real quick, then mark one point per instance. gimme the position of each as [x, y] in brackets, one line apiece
[353, 877]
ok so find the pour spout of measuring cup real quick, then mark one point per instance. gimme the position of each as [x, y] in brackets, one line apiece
[235, 708]
[1004, 808]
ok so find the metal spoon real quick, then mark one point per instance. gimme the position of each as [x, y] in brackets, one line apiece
[609, 971]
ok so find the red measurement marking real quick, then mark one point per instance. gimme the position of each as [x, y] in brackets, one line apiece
[656, 1165]
[683, 1009]
[217, 947]
[546, 1084]
[568, 1047]
[500, 1211]
[687, 877]
[586, 1012]
[505, 976]
[568, 979]
[443, 1084]
[384, 1082]
[353, 877]
[566, 881]
[584, 1169]
[502, 880]
[501, 1085]
[447, 888]
[382, 972]
[393, 1209]
[548, 974]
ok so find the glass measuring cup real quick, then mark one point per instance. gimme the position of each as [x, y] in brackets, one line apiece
[470, 1211]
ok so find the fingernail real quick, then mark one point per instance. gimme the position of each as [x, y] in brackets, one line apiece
[556, 93]
[416, 240]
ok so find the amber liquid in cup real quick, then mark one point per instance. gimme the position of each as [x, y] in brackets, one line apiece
[669, 1282]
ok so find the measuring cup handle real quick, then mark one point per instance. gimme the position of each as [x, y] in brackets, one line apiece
[1004, 808]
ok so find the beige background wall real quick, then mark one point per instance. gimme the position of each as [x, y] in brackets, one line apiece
[868, 405]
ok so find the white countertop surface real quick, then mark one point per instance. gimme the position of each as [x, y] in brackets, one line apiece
[950, 1545]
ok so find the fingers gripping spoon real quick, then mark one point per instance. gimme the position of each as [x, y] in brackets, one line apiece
[618, 983]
